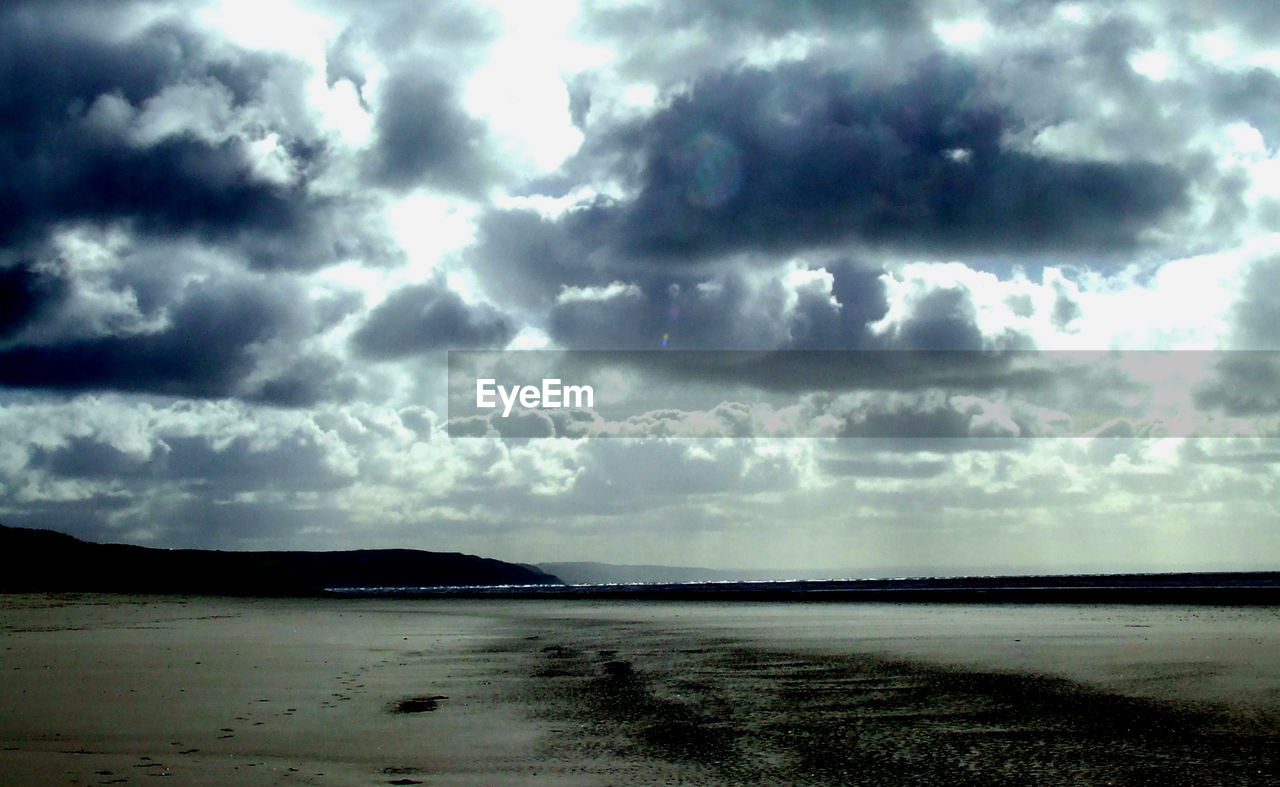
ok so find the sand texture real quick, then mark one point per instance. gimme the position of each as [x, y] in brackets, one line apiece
[130, 690]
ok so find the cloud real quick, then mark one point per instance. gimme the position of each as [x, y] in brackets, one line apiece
[799, 156]
[1248, 384]
[801, 308]
[1247, 379]
[399, 29]
[204, 350]
[526, 259]
[655, 472]
[25, 295]
[724, 311]
[165, 132]
[942, 319]
[663, 41]
[747, 166]
[1256, 316]
[308, 380]
[422, 317]
[108, 467]
[842, 318]
[1066, 307]
[867, 467]
[1252, 96]
[209, 335]
[425, 137]
[777, 18]
[297, 462]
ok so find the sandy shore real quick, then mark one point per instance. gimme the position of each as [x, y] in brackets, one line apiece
[103, 690]
[116, 690]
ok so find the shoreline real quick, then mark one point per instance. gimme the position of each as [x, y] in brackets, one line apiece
[1236, 588]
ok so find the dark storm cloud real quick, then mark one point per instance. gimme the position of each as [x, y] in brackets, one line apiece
[25, 295]
[425, 137]
[180, 184]
[793, 157]
[205, 351]
[429, 316]
[860, 299]
[67, 152]
[760, 163]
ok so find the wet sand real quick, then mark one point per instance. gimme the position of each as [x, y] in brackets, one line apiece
[105, 689]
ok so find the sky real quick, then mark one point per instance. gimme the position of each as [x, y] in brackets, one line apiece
[239, 239]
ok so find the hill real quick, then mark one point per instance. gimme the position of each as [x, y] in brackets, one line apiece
[44, 560]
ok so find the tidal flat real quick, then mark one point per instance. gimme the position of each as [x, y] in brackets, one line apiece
[105, 689]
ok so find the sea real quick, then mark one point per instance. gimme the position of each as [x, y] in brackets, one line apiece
[1231, 588]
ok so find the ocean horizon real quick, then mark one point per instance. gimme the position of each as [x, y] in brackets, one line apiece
[1233, 587]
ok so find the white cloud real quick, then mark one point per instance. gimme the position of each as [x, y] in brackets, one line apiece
[1072, 82]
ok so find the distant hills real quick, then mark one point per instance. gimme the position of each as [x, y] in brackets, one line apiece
[44, 560]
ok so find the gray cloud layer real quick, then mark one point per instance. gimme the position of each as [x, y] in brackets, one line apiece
[226, 274]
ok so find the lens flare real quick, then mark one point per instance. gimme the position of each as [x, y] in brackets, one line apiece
[714, 170]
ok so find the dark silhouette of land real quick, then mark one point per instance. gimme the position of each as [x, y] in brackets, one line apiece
[48, 561]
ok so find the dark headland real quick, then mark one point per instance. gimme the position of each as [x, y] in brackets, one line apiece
[48, 561]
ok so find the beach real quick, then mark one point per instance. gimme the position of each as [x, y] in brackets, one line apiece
[104, 689]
